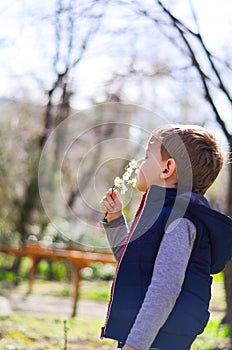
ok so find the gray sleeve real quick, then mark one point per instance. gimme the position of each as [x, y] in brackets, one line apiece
[116, 231]
[167, 279]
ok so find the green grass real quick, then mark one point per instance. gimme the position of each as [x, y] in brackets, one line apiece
[46, 332]
[23, 331]
[91, 290]
[219, 277]
[95, 290]
[215, 337]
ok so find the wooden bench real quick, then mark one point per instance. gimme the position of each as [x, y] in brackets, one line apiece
[79, 258]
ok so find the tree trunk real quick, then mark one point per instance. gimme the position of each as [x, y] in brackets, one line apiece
[228, 269]
[228, 290]
[31, 199]
[28, 205]
[16, 265]
[15, 269]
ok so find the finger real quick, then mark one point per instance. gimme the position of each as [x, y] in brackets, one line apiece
[103, 207]
[117, 198]
[109, 199]
[115, 194]
[108, 207]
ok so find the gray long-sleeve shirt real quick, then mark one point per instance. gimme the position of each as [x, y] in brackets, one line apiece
[167, 278]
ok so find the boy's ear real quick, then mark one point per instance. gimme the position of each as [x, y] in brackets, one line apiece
[169, 169]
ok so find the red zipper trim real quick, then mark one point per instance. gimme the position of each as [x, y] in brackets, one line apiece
[133, 226]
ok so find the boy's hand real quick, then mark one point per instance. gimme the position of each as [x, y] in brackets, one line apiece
[128, 347]
[111, 204]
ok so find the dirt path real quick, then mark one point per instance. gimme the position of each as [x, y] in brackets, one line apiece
[56, 305]
[63, 305]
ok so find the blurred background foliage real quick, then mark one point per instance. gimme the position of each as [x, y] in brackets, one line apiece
[72, 59]
[114, 67]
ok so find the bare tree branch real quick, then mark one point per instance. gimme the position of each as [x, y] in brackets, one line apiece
[182, 29]
[69, 51]
[210, 58]
[194, 16]
[71, 31]
[57, 24]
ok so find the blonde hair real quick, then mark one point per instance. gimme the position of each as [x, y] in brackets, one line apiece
[197, 154]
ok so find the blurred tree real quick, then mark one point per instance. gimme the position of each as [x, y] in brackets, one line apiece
[18, 137]
[72, 36]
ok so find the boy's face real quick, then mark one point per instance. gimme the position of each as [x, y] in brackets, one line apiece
[151, 167]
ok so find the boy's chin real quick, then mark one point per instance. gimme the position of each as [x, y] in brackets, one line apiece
[140, 188]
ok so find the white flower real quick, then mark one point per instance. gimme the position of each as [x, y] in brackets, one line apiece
[133, 164]
[132, 182]
[126, 176]
[122, 182]
[123, 188]
[118, 182]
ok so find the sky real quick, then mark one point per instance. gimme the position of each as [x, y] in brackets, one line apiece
[214, 18]
[18, 36]
[25, 46]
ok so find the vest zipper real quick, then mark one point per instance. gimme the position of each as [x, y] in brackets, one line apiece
[133, 226]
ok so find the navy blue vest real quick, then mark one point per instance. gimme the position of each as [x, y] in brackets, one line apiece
[190, 313]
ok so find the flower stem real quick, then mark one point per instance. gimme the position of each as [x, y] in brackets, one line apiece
[105, 217]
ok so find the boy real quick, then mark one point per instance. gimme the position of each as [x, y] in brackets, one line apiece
[161, 290]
